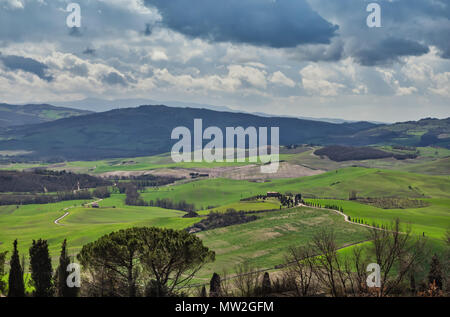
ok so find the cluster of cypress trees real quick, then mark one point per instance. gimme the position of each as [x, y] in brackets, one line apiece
[318, 205]
[45, 283]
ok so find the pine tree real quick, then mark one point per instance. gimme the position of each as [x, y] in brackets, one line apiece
[214, 286]
[62, 289]
[435, 274]
[16, 284]
[41, 269]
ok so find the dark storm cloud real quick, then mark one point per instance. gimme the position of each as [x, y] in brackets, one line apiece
[389, 50]
[40, 21]
[409, 28]
[13, 63]
[272, 23]
[114, 78]
[333, 52]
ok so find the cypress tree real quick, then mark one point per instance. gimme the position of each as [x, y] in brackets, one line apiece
[203, 292]
[41, 269]
[435, 274]
[16, 284]
[266, 285]
[62, 289]
[214, 286]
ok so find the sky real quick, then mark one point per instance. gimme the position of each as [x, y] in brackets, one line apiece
[314, 58]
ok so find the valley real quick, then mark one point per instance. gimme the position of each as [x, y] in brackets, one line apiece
[87, 199]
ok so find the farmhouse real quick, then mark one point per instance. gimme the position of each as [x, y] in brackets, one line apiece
[95, 205]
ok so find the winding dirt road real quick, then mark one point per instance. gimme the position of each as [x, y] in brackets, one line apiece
[346, 218]
[56, 222]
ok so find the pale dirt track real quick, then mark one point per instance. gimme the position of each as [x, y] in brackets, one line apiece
[346, 218]
[56, 222]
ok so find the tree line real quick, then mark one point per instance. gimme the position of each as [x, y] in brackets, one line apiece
[28, 199]
[44, 281]
[340, 153]
[133, 262]
[43, 181]
[133, 198]
[221, 219]
[84, 194]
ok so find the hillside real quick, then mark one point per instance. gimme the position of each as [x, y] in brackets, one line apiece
[146, 130]
[425, 132]
[16, 115]
[339, 153]
[46, 181]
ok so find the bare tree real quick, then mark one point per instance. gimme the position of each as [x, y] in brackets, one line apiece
[360, 267]
[396, 250]
[446, 263]
[341, 275]
[300, 268]
[247, 280]
[225, 285]
[324, 243]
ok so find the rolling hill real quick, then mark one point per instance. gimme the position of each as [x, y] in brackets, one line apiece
[146, 130]
[425, 132]
[16, 115]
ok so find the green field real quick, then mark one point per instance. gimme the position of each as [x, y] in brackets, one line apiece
[86, 224]
[335, 184]
[264, 243]
[260, 205]
[433, 220]
[431, 160]
[83, 225]
[123, 164]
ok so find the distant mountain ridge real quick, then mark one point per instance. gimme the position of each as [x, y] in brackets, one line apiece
[101, 105]
[146, 130]
[16, 115]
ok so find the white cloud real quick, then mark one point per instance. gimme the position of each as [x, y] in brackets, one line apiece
[281, 79]
[170, 65]
[158, 55]
[319, 80]
[253, 76]
[12, 4]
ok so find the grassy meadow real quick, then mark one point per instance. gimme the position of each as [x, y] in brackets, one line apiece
[81, 226]
[262, 243]
[433, 220]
